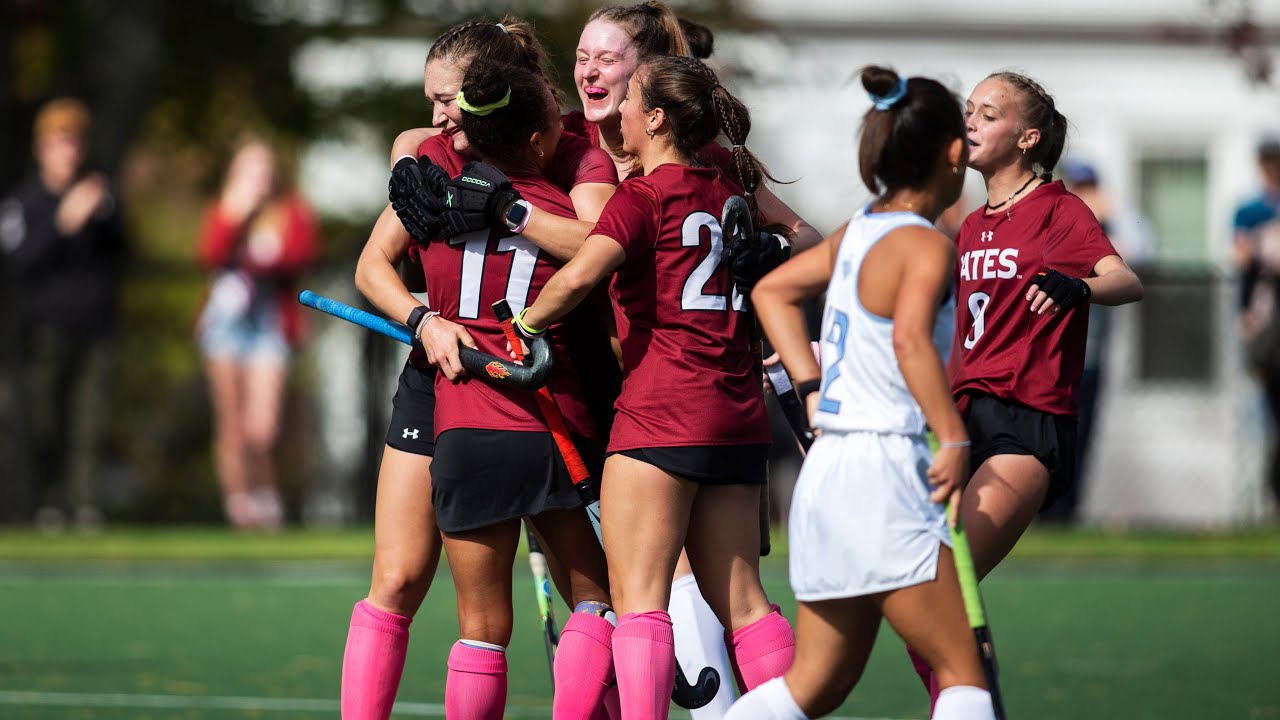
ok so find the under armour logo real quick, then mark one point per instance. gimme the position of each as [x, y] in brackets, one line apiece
[410, 434]
[988, 235]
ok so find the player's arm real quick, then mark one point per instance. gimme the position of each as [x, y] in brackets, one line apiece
[407, 142]
[1113, 282]
[376, 275]
[926, 258]
[804, 235]
[778, 298]
[562, 236]
[599, 256]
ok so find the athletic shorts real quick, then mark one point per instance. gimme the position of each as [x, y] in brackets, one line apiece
[484, 477]
[240, 325]
[1001, 427]
[861, 519]
[709, 464]
[413, 411]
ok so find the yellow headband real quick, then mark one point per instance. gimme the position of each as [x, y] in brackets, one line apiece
[483, 110]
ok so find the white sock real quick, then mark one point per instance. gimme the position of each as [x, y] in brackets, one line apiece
[700, 643]
[964, 702]
[771, 699]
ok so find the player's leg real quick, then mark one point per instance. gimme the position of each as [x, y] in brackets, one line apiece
[405, 556]
[833, 641]
[724, 550]
[700, 640]
[480, 561]
[930, 617]
[642, 548]
[226, 396]
[264, 385]
[998, 504]
[584, 658]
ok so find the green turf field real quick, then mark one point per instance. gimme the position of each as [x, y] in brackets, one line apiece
[204, 624]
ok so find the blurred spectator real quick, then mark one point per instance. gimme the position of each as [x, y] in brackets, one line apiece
[1257, 258]
[64, 247]
[1130, 233]
[257, 239]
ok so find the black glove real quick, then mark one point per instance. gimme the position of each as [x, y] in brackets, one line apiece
[751, 258]
[1065, 291]
[415, 191]
[476, 199]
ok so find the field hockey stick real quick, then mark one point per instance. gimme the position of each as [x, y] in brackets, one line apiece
[578, 472]
[977, 614]
[735, 222]
[480, 364]
[684, 694]
[546, 606]
[792, 408]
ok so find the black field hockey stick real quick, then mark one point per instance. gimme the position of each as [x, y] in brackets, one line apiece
[735, 227]
[977, 613]
[690, 697]
[525, 376]
[792, 407]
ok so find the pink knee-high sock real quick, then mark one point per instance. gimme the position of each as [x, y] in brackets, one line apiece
[644, 658]
[373, 661]
[610, 708]
[927, 676]
[921, 667]
[476, 687]
[583, 666]
[762, 650]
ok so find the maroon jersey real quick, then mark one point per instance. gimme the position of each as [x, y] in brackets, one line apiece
[688, 376]
[575, 162]
[1000, 347]
[465, 276]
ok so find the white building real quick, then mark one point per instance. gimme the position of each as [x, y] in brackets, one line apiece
[1171, 127]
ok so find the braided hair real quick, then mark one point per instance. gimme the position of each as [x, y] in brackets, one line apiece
[699, 109]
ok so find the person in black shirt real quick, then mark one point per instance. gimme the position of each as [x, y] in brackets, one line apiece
[63, 246]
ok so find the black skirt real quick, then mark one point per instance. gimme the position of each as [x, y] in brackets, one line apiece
[484, 477]
[709, 464]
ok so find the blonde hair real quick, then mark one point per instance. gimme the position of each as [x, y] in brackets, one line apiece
[62, 116]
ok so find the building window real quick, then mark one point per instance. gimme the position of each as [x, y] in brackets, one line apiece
[1178, 312]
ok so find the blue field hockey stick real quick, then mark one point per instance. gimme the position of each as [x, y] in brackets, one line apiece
[528, 375]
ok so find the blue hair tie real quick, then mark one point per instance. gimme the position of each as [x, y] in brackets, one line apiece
[884, 102]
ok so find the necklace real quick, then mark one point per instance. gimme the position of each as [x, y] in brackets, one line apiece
[1015, 194]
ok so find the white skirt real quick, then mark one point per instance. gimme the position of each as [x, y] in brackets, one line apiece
[861, 519]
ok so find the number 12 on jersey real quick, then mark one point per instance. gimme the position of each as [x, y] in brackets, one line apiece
[836, 332]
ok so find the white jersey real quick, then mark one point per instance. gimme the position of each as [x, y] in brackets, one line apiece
[862, 386]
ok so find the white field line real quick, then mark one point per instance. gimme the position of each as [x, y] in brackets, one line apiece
[24, 698]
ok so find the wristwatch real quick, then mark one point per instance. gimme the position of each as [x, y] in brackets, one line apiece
[517, 216]
[415, 317]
